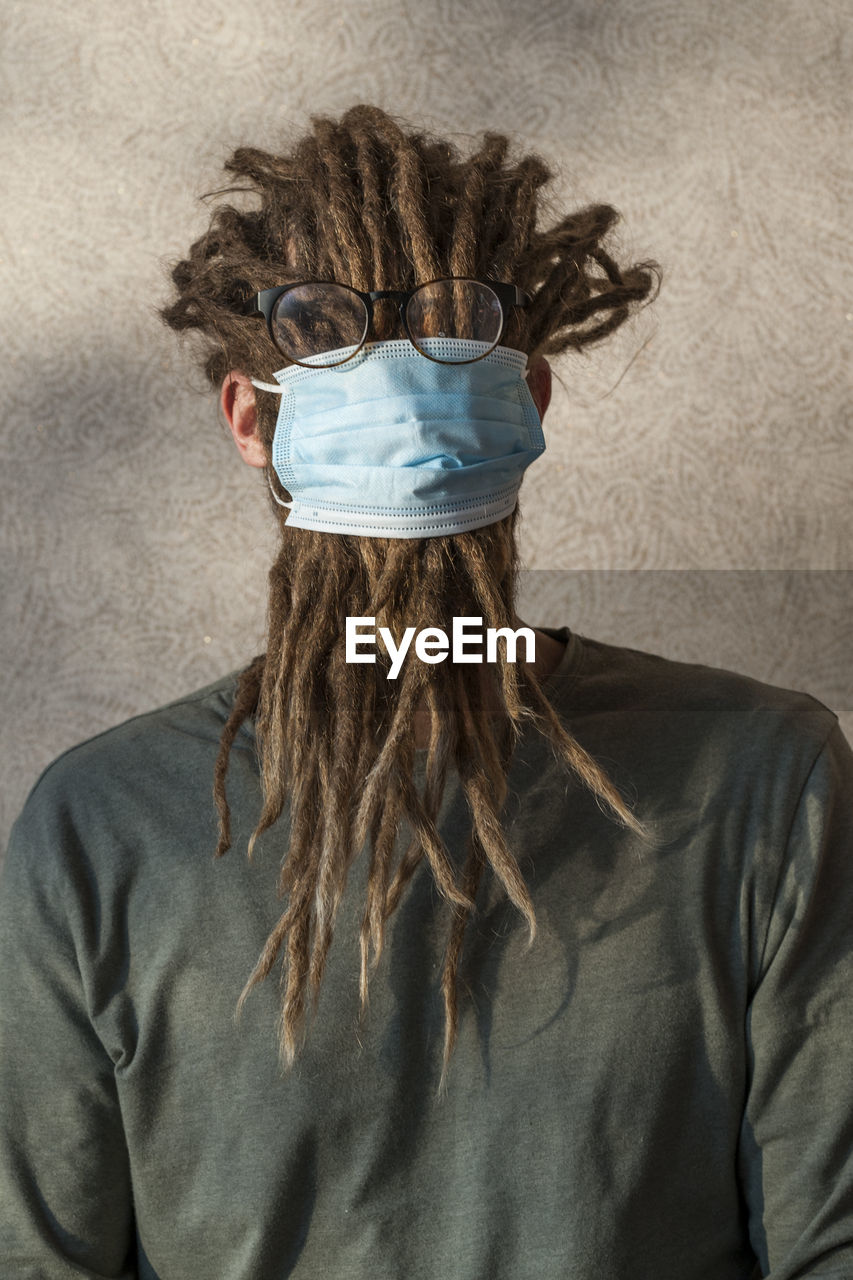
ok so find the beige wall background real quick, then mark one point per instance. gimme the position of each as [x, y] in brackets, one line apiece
[695, 496]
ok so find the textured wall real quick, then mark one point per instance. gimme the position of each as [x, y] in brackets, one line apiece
[135, 545]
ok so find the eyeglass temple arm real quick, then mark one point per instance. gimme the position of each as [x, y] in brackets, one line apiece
[250, 304]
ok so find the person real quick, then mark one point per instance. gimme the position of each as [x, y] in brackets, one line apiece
[562, 929]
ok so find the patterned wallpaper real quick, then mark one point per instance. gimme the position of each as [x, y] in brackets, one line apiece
[694, 499]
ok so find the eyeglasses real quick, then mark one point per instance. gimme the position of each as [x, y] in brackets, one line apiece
[309, 319]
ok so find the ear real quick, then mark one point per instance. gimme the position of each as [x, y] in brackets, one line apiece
[238, 405]
[539, 381]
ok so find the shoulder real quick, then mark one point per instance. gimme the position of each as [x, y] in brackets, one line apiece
[648, 680]
[168, 750]
[742, 776]
[689, 735]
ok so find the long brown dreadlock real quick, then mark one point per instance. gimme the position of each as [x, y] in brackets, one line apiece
[366, 201]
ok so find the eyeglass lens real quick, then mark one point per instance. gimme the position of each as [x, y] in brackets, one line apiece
[313, 319]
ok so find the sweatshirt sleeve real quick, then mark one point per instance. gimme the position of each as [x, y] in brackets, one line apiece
[66, 1207]
[796, 1149]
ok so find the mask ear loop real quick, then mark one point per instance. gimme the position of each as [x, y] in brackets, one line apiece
[271, 386]
[281, 502]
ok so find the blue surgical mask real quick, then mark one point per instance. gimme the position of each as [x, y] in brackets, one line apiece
[390, 444]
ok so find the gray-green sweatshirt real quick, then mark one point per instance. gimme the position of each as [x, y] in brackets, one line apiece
[660, 1089]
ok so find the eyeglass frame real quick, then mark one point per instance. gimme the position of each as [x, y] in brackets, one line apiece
[508, 295]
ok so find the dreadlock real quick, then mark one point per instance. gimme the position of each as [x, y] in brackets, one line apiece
[368, 202]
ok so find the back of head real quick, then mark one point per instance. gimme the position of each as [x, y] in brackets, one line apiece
[368, 202]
